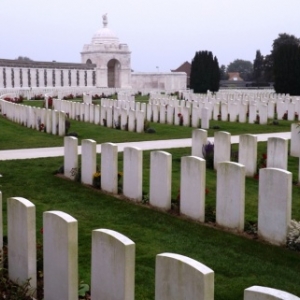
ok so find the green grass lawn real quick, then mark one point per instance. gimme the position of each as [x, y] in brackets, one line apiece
[238, 261]
[16, 136]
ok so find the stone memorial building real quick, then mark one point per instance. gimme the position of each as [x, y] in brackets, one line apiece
[105, 63]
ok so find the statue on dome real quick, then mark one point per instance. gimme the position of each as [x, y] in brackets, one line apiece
[104, 17]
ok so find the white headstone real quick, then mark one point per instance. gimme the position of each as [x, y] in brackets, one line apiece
[70, 156]
[277, 153]
[109, 168]
[248, 153]
[230, 200]
[160, 179]
[60, 246]
[204, 118]
[274, 204]
[192, 187]
[179, 277]
[265, 293]
[199, 139]
[222, 147]
[133, 173]
[88, 161]
[21, 240]
[113, 265]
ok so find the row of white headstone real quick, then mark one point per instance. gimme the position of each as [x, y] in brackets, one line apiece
[125, 115]
[176, 276]
[274, 214]
[50, 121]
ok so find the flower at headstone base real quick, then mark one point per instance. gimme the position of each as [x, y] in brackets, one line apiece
[97, 180]
[41, 127]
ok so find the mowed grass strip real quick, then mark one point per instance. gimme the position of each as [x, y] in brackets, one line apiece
[238, 261]
[16, 136]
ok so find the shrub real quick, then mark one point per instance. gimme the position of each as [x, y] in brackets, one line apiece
[150, 130]
[208, 154]
[293, 237]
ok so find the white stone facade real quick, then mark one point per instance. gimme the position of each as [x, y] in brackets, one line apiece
[106, 63]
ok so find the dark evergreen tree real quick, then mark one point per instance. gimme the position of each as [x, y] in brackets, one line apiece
[205, 72]
[284, 39]
[258, 67]
[281, 40]
[287, 69]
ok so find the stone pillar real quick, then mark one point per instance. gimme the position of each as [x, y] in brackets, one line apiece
[101, 77]
[180, 277]
[113, 265]
[133, 173]
[160, 179]
[109, 168]
[88, 161]
[274, 205]
[230, 208]
[21, 235]
[60, 233]
[192, 187]
[248, 153]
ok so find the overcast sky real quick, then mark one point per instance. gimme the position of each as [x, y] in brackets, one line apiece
[159, 33]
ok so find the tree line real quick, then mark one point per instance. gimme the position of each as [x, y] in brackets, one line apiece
[281, 67]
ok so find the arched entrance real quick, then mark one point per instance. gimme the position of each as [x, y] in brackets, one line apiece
[113, 73]
[89, 62]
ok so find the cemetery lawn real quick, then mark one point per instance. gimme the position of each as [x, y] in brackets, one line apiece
[16, 136]
[239, 261]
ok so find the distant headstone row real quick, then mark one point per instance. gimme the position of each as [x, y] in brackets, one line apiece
[42, 119]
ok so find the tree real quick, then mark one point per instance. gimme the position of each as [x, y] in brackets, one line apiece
[287, 69]
[223, 73]
[284, 39]
[258, 67]
[281, 40]
[244, 67]
[205, 72]
[24, 58]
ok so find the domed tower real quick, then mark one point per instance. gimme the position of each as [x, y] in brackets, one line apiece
[111, 57]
